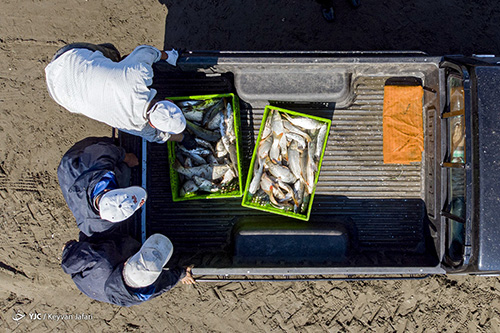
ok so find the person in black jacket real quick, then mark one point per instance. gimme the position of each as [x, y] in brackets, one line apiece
[94, 176]
[116, 269]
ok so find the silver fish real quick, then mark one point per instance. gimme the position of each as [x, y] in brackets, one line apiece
[301, 142]
[311, 148]
[229, 119]
[204, 144]
[283, 147]
[292, 129]
[205, 134]
[188, 187]
[303, 165]
[193, 115]
[220, 149]
[278, 193]
[277, 124]
[208, 115]
[279, 141]
[266, 185]
[305, 203]
[320, 140]
[204, 171]
[288, 199]
[305, 123]
[181, 158]
[274, 152]
[205, 184]
[310, 169]
[264, 146]
[231, 147]
[314, 133]
[228, 176]
[214, 123]
[188, 104]
[219, 171]
[188, 162]
[280, 171]
[283, 206]
[267, 128]
[196, 158]
[298, 188]
[212, 160]
[294, 159]
[198, 150]
[257, 174]
[290, 194]
[228, 137]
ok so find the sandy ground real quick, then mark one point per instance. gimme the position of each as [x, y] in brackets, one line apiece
[35, 132]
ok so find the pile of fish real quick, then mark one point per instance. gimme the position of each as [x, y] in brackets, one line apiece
[287, 161]
[212, 166]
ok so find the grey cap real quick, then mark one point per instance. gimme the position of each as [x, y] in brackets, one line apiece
[144, 267]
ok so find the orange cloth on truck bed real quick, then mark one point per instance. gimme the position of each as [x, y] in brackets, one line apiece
[403, 124]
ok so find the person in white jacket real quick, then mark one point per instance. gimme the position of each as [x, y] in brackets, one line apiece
[94, 81]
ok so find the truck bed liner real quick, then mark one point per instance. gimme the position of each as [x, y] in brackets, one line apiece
[382, 203]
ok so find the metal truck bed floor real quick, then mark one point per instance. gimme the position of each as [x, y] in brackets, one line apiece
[382, 202]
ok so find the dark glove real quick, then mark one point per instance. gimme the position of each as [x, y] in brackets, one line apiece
[188, 141]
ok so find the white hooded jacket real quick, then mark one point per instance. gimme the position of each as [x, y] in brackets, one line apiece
[115, 93]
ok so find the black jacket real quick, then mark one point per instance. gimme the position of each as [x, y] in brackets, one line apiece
[96, 264]
[81, 168]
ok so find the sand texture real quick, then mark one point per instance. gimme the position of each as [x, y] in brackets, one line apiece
[35, 132]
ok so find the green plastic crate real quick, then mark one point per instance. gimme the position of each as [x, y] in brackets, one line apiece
[174, 176]
[246, 202]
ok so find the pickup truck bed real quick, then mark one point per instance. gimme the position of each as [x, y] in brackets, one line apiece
[380, 206]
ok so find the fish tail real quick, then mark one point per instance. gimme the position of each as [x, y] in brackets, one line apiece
[178, 165]
[271, 197]
[287, 116]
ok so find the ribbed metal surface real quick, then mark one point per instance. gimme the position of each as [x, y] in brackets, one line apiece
[132, 144]
[354, 162]
[383, 201]
[170, 83]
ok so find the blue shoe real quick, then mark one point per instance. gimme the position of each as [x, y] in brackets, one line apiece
[355, 3]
